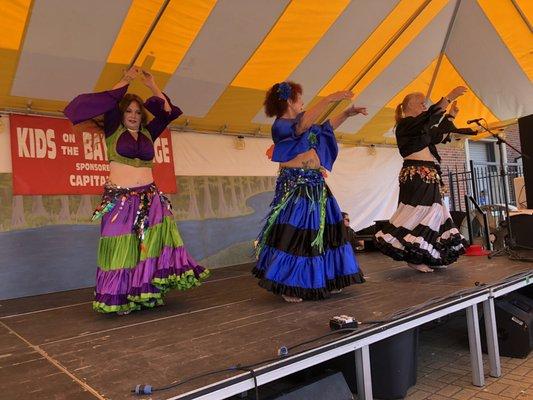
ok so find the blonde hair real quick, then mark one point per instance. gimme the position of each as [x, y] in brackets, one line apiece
[399, 112]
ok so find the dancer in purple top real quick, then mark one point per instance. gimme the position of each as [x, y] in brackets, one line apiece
[140, 255]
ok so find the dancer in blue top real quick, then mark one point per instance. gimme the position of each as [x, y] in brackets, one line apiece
[302, 251]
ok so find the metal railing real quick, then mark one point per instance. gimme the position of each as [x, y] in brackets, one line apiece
[482, 181]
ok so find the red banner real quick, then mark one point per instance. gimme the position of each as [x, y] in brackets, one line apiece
[50, 156]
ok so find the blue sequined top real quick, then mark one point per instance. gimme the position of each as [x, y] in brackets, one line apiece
[287, 144]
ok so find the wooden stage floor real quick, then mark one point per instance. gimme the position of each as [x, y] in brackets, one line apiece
[55, 347]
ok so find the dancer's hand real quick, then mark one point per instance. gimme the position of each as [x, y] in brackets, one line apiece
[339, 96]
[456, 92]
[354, 110]
[148, 79]
[454, 109]
[338, 119]
[131, 74]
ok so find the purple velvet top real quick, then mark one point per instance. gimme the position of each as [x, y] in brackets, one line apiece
[90, 105]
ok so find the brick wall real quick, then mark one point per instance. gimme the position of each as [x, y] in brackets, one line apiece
[513, 137]
[452, 156]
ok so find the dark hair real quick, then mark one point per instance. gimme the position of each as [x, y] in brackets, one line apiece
[274, 105]
[344, 214]
[127, 100]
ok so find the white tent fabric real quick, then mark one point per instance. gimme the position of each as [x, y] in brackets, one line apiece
[5, 146]
[364, 181]
[366, 184]
[215, 155]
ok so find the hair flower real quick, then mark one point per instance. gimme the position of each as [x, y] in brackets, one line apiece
[284, 91]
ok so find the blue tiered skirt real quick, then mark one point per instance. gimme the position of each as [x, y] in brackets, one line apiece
[303, 249]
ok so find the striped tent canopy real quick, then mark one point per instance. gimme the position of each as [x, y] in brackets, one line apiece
[216, 59]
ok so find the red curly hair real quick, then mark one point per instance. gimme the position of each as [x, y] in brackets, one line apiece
[276, 107]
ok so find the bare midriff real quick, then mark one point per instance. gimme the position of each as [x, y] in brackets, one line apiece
[127, 176]
[308, 160]
[422, 155]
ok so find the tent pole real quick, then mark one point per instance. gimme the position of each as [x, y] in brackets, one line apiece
[443, 49]
[149, 33]
[522, 15]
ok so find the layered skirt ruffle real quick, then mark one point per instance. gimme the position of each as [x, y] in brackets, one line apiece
[303, 249]
[140, 254]
[421, 231]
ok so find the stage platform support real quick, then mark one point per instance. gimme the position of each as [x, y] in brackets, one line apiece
[364, 378]
[474, 341]
[360, 343]
[492, 338]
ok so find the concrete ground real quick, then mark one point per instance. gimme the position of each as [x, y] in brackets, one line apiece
[444, 368]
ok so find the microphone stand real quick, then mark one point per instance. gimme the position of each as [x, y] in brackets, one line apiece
[509, 243]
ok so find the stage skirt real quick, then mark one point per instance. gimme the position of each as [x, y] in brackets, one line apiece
[421, 231]
[303, 249]
[140, 254]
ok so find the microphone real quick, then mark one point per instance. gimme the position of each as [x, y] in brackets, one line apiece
[473, 121]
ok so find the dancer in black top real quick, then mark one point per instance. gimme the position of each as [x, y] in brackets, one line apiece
[421, 231]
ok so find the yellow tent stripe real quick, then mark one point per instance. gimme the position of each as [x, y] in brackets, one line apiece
[175, 32]
[137, 22]
[512, 30]
[470, 105]
[527, 8]
[345, 77]
[13, 21]
[301, 26]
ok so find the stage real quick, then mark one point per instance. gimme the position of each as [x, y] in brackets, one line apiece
[55, 347]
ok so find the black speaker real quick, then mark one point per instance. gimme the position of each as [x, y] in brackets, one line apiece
[514, 319]
[329, 387]
[522, 227]
[393, 364]
[525, 127]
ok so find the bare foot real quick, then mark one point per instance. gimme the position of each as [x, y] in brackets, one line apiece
[335, 291]
[290, 299]
[420, 267]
